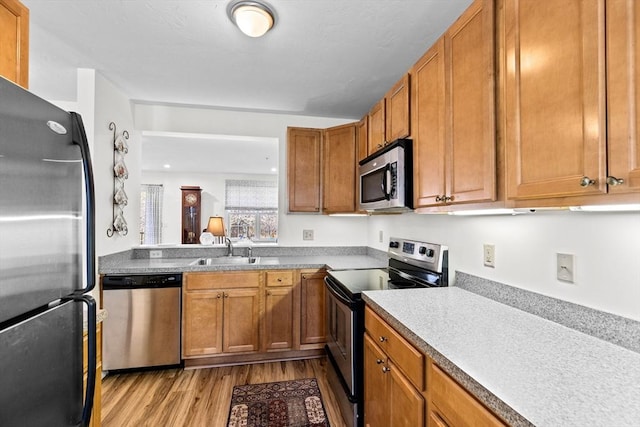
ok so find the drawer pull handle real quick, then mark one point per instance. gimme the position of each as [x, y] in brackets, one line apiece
[383, 339]
[613, 181]
[586, 181]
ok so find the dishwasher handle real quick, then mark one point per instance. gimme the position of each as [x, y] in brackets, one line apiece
[114, 282]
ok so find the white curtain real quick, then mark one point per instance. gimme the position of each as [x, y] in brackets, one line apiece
[151, 214]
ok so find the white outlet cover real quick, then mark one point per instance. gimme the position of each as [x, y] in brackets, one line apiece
[565, 267]
[489, 255]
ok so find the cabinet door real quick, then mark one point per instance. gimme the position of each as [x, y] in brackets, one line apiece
[14, 42]
[376, 387]
[554, 98]
[623, 95]
[470, 108]
[397, 115]
[339, 166]
[303, 169]
[427, 121]
[278, 318]
[241, 320]
[202, 323]
[406, 403]
[377, 127]
[312, 309]
[362, 135]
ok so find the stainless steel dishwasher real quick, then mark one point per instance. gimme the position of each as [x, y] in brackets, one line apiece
[142, 328]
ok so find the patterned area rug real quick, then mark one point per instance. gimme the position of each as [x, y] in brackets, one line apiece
[279, 404]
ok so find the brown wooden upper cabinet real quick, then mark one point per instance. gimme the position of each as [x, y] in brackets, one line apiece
[453, 113]
[303, 169]
[557, 94]
[339, 169]
[397, 123]
[389, 118]
[623, 96]
[322, 168]
[376, 127]
[362, 135]
[14, 42]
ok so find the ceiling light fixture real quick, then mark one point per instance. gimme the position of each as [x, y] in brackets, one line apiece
[254, 18]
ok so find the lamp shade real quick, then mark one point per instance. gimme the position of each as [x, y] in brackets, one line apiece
[252, 18]
[216, 226]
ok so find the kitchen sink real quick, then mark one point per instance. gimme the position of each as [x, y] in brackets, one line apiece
[227, 260]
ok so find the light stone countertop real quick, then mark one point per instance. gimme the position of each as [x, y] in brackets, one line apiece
[529, 370]
[180, 265]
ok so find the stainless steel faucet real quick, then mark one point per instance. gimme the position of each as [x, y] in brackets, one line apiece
[229, 247]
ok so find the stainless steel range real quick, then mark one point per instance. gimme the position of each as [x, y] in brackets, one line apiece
[412, 264]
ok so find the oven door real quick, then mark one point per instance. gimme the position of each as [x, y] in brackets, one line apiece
[341, 323]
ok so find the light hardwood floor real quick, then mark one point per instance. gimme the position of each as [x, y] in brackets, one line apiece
[198, 397]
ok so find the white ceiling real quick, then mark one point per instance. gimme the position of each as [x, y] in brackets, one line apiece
[329, 58]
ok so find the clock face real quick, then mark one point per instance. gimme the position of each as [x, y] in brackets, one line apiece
[191, 198]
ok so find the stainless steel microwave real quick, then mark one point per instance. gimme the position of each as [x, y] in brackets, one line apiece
[386, 178]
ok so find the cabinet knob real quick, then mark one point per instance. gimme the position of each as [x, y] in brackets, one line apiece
[586, 181]
[383, 339]
[279, 279]
[218, 296]
[439, 199]
[447, 199]
[613, 181]
[226, 295]
[385, 369]
[379, 361]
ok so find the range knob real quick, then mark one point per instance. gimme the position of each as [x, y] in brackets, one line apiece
[430, 252]
[422, 250]
[394, 244]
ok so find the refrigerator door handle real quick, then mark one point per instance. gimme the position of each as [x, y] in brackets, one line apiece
[80, 138]
[92, 347]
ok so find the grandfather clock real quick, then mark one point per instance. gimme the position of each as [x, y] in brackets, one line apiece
[191, 197]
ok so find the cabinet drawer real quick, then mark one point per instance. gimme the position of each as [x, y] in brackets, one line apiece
[456, 405]
[219, 280]
[404, 355]
[279, 278]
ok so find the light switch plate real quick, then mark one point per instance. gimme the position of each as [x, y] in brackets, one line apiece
[565, 267]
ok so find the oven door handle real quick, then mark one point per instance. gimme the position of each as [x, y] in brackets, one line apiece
[343, 299]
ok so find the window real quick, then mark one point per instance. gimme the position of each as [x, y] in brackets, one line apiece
[151, 214]
[251, 209]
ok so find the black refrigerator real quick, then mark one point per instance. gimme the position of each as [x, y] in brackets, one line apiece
[46, 263]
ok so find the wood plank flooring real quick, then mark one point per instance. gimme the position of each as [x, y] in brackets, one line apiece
[199, 397]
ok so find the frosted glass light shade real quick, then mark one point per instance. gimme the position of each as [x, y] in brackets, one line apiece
[253, 18]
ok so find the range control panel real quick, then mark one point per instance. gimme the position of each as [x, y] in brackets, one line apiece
[426, 255]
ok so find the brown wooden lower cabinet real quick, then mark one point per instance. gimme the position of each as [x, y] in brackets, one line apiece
[395, 390]
[313, 328]
[220, 313]
[450, 404]
[96, 413]
[251, 316]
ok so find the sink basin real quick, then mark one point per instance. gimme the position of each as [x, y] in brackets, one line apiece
[227, 260]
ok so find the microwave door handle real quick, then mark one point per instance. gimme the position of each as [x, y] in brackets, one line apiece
[387, 182]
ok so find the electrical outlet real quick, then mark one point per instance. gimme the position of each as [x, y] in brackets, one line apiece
[564, 263]
[155, 254]
[489, 255]
[380, 236]
[307, 234]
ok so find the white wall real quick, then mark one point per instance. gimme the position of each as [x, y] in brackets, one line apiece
[606, 249]
[213, 193]
[340, 231]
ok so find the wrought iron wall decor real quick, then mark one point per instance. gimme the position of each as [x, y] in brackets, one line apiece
[120, 174]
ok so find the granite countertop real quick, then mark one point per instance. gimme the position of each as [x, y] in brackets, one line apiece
[180, 265]
[529, 370]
